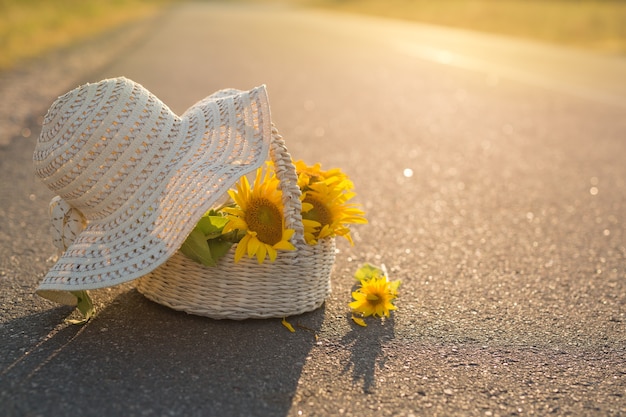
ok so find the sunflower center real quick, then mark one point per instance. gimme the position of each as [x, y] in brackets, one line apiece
[374, 298]
[320, 212]
[264, 218]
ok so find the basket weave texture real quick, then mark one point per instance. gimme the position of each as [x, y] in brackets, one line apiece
[296, 282]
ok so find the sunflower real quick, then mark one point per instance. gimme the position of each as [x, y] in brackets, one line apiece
[258, 212]
[375, 297]
[310, 174]
[327, 205]
[311, 227]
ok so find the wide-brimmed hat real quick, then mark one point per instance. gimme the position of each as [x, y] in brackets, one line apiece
[138, 177]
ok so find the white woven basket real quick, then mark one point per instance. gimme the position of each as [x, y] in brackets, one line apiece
[296, 282]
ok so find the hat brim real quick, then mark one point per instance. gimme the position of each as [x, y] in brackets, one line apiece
[233, 140]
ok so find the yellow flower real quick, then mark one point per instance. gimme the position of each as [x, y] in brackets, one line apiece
[311, 227]
[308, 175]
[328, 206]
[375, 297]
[325, 211]
[258, 213]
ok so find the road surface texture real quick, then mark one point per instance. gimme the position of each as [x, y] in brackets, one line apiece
[494, 178]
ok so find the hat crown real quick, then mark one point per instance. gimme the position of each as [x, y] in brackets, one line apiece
[100, 142]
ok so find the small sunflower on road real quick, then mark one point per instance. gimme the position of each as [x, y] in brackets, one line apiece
[375, 296]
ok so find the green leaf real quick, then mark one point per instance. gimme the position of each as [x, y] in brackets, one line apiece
[219, 247]
[367, 272]
[197, 248]
[211, 225]
[84, 305]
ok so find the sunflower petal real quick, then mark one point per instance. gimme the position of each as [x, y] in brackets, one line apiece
[359, 321]
[261, 252]
[272, 253]
[241, 248]
[306, 207]
[288, 234]
[288, 325]
[253, 244]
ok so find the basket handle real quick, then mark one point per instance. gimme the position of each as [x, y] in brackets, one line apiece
[288, 184]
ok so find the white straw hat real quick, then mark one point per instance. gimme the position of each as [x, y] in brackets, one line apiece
[138, 176]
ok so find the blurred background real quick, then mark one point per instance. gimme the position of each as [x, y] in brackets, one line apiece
[29, 28]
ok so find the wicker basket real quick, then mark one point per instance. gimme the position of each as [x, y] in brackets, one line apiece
[296, 282]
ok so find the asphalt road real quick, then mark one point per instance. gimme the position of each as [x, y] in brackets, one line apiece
[495, 186]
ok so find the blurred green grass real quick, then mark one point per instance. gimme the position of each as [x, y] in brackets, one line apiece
[598, 25]
[31, 27]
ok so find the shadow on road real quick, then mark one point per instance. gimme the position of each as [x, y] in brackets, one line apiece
[149, 354]
[366, 351]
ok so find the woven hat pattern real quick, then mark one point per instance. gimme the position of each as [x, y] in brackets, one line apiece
[139, 174]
